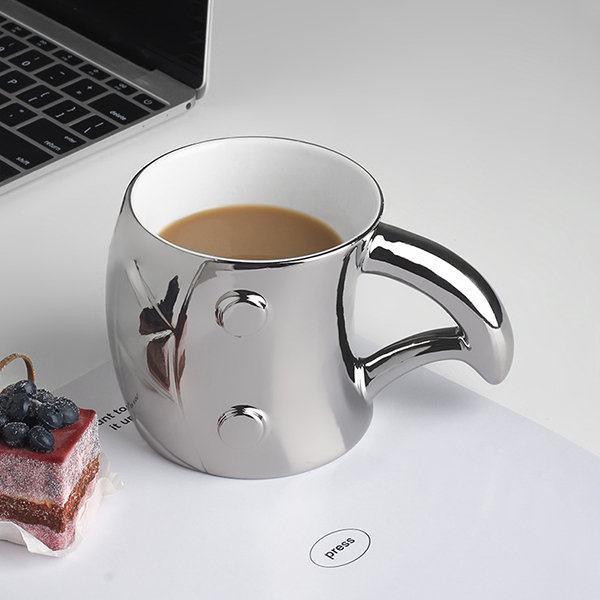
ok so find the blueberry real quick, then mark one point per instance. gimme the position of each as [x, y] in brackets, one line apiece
[18, 406]
[3, 419]
[3, 401]
[69, 410]
[14, 434]
[8, 390]
[40, 439]
[42, 395]
[25, 385]
[49, 415]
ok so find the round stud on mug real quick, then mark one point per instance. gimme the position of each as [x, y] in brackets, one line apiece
[241, 312]
[242, 427]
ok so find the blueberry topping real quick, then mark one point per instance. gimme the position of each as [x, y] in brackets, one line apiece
[49, 415]
[15, 433]
[42, 395]
[9, 389]
[18, 406]
[69, 410]
[25, 385]
[28, 416]
[40, 439]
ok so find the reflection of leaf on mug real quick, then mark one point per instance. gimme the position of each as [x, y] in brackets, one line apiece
[165, 355]
[154, 319]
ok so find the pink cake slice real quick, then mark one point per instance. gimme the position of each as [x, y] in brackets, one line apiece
[43, 492]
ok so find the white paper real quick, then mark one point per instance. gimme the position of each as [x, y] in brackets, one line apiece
[448, 495]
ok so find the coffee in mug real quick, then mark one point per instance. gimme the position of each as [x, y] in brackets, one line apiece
[252, 232]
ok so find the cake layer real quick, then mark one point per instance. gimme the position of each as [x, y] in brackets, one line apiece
[51, 477]
[53, 516]
[58, 540]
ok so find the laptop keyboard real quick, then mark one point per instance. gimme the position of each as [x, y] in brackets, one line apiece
[53, 102]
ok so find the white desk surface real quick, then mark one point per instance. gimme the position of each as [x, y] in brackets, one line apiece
[467, 501]
[480, 121]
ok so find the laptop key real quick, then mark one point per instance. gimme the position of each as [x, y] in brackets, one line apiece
[84, 89]
[94, 72]
[149, 102]
[6, 171]
[66, 111]
[3, 66]
[67, 57]
[57, 74]
[13, 81]
[16, 29]
[9, 46]
[20, 151]
[15, 114]
[38, 96]
[30, 60]
[3, 99]
[42, 43]
[94, 127]
[119, 109]
[121, 86]
[51, 136]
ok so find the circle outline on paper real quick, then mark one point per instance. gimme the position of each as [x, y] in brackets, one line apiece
[346, 562]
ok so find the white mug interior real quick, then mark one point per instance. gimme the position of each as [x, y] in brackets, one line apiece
[257, 171]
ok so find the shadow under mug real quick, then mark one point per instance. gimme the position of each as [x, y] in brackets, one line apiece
[245, 368]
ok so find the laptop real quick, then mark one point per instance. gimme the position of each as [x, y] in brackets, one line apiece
[78, 75]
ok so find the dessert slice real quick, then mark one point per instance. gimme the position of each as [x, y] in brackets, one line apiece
[49, 454]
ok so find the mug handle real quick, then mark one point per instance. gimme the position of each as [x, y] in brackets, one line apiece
[483, 337]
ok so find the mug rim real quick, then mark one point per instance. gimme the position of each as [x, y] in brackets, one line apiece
[259, 262]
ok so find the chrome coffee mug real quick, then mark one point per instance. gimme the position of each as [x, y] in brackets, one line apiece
[245, 368]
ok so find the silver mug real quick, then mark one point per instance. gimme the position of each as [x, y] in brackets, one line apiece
[246, 368]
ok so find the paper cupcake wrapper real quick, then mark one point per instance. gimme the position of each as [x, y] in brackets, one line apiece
[107, 483]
